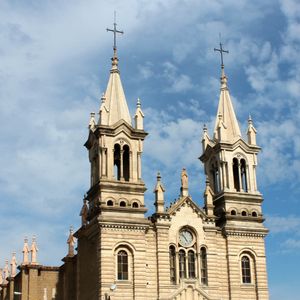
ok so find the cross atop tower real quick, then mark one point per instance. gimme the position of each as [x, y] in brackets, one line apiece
[221, 50]
[115, 31]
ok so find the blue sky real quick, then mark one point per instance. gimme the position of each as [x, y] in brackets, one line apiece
[54, 65]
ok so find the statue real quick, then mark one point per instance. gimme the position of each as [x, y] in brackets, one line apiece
[84, 213]
[184, 183]
[25, 252]
[71, 243]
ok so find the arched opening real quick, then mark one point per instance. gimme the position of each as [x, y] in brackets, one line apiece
[110, 203]
[244, 175]
[126, 155]
[122, 265]
[216, 178]
[203, 257]
[254, 214]
[236, 180]
[122, 203]
[246, 270]
[182, 264]
[233, 212]
[191, 264]
[117, 161]
[244, 213]
[172, 257]
[135, 205]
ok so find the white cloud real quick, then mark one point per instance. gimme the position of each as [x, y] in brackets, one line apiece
[283, 224]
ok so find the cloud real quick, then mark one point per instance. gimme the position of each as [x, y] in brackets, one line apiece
[283, 224]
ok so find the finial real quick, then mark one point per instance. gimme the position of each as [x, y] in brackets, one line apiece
[115, 31]
[158, 176]
[250, 119]
[92, 122]
[103, 98]
[138, 103]
[204, 128]
[25, 252]
[221, 50]
[34, 249]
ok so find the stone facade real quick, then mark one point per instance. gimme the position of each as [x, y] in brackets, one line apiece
[184, 252]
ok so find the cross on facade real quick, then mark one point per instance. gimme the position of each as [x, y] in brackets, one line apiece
[221, 50]
[115, 31]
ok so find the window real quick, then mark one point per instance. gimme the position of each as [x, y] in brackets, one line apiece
[203, 257]
[182, 264]
[123, 204]
[244, 175]
[216, 178]
[254, 214]
[135, 205]
[244, 213]
[110, 203]
[172, 256]
[233, 212]
[117, 161]
[191, 264]
[122, 265]
[246, 272]
[236, 180]
[126, 162]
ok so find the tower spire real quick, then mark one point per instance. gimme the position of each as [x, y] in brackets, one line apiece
[226, 125]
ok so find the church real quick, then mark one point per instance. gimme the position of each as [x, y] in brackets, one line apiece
[183, 252]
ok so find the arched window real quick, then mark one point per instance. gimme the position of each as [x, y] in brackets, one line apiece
[236, 179]
[246, 271]
[233, 212]
[191, 264]
[203, 257]
[122, 265]
[172, 257]
[244, 175]
[110, 203]
[135, 205]
[216, 178]
[126, 168]
[123, 204]
[182, 264]
[244, 213]
[254, 214]
[117, 161]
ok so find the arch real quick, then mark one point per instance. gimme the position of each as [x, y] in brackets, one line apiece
[215, 173]
[233, 212]
[203, 259]
[247, 261]
[244, 212]
[126, 162]
[117, 161]
[172, 258]
[246, 269]
[135, 204]
[110, 202]
[254, 214]
[122, 203]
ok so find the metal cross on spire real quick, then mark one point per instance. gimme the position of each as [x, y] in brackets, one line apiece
[221, 50]
[115, 31]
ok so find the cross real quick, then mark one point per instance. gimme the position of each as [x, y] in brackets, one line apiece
[221, 50]
[115, 31]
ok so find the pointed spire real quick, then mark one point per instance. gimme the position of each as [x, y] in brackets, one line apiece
[71, 243]
[92, 122]
[159, 195]
[205, 138]
[139, 116]
[103, 111]
[114, 96]
[229, 126]
[184, 190]
[25, 252]
[13, 265]
[251, 132]
[34, 249]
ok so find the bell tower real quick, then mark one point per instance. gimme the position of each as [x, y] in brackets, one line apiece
[115, 148]
[230, 165]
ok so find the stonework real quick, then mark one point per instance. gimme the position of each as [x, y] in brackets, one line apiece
[183, 252]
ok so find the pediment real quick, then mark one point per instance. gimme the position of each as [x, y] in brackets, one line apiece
[183, 202]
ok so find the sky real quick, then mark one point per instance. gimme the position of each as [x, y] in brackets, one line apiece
[54, 66]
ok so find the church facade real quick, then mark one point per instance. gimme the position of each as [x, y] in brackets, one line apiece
[184, 252]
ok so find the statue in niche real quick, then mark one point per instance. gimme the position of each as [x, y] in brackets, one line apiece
[84, 213]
